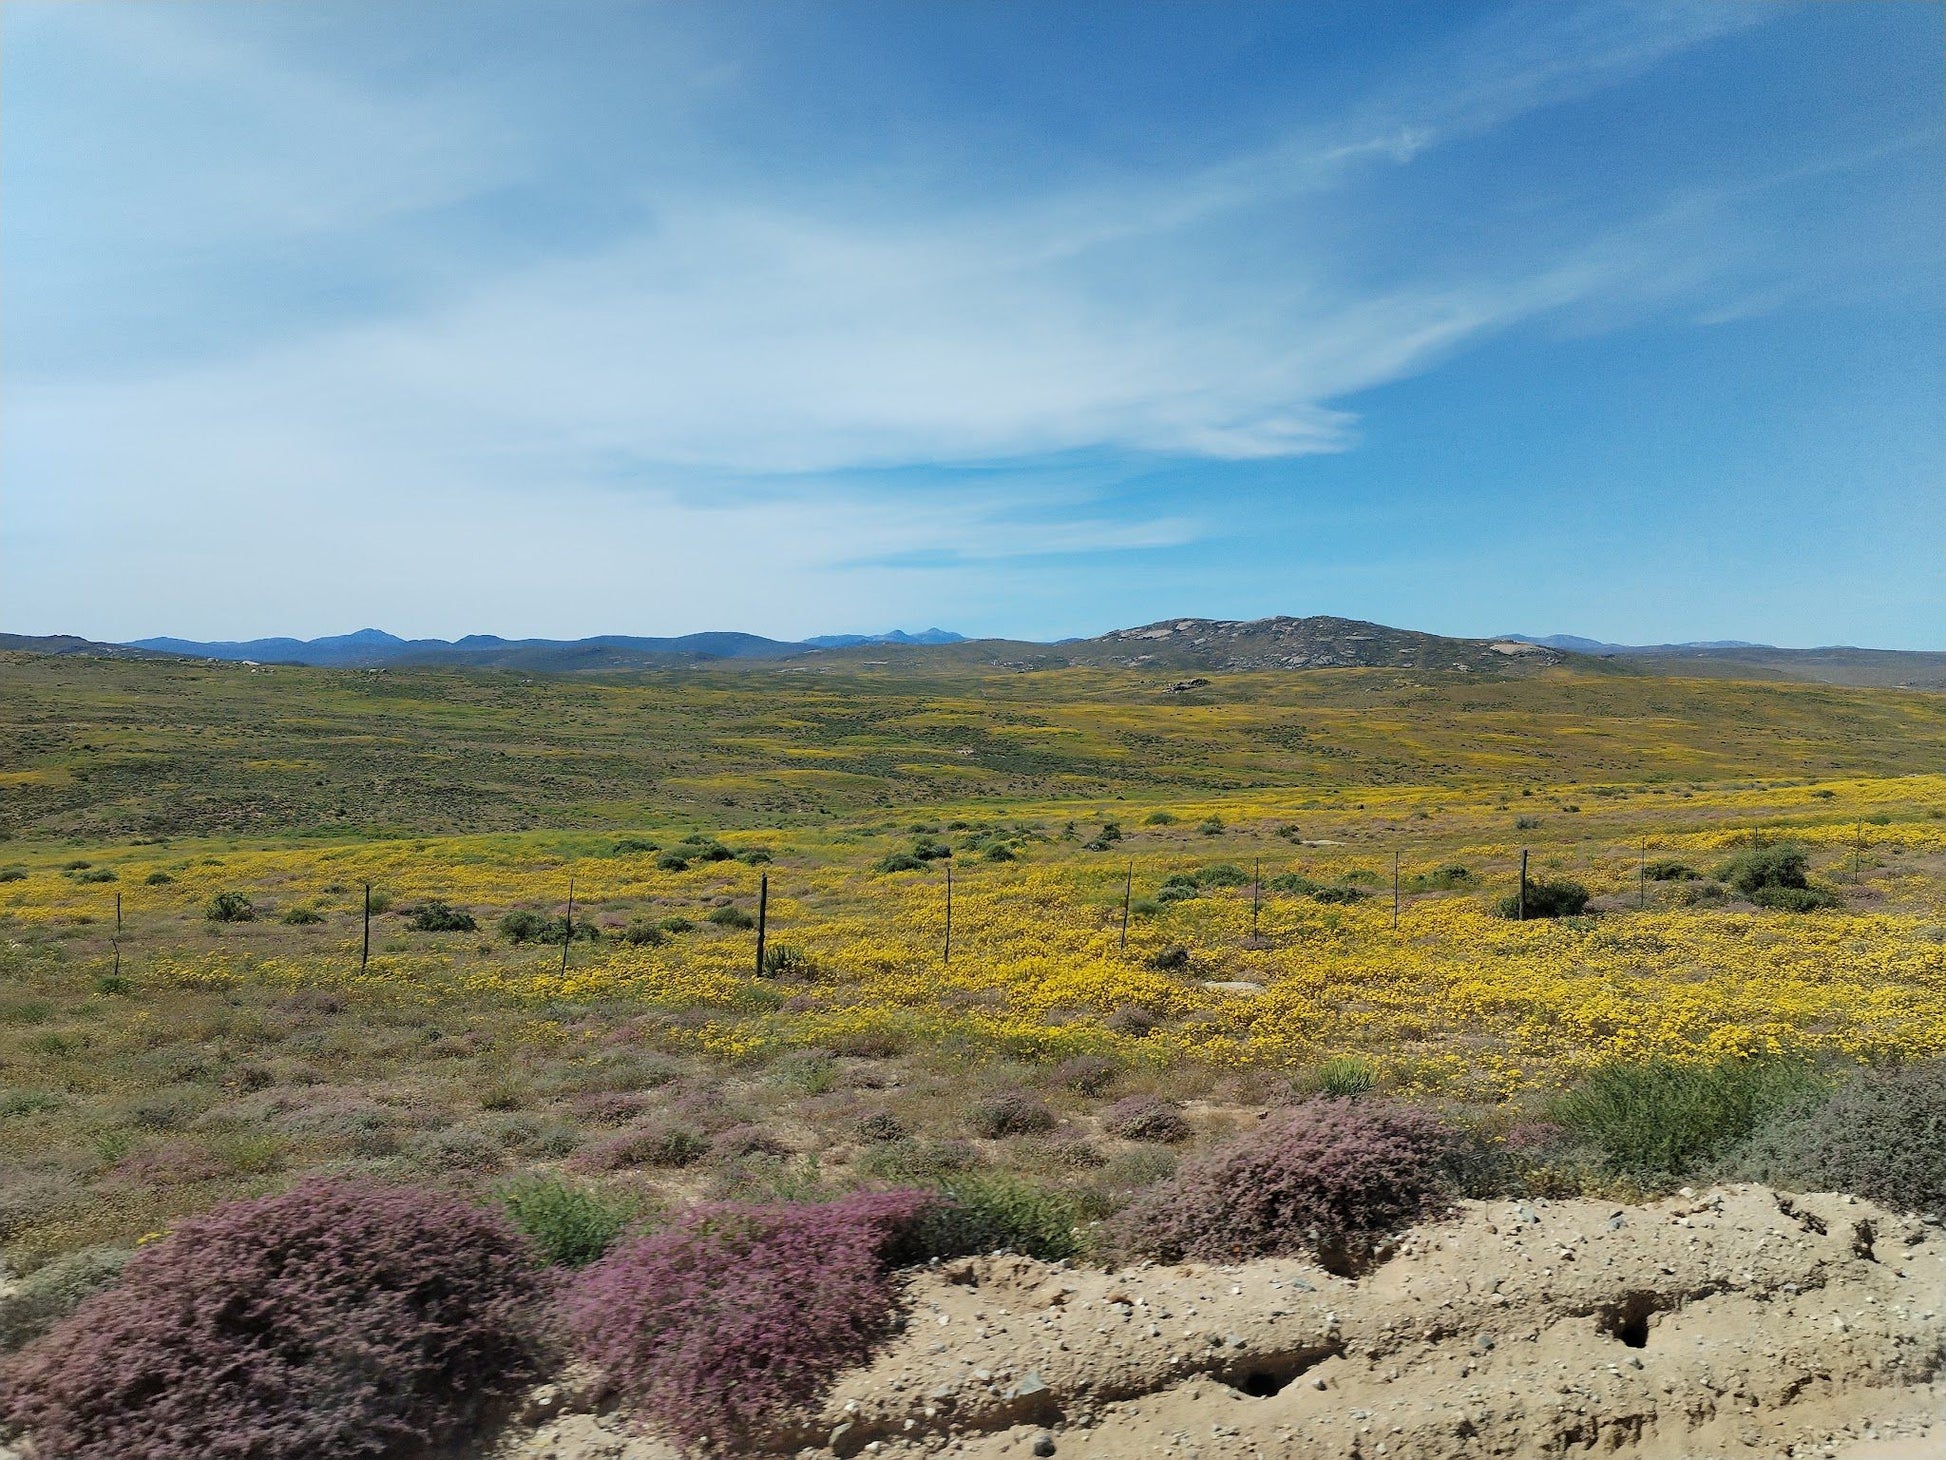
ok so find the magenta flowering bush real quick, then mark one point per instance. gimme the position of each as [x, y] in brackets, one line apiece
[721, 1324]
[342, 1318]
[1328, 1177]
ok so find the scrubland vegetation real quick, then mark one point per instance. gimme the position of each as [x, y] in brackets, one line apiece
[1180, 1017]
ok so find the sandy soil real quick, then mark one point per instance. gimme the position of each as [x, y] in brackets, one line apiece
[1731, 1323]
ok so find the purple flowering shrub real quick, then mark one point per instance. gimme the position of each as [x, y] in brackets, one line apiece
[343, 1318]
[1329, 1177]
[726, 1321]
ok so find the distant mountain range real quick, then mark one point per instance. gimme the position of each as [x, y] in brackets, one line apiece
[1186, 647]
[374, 648]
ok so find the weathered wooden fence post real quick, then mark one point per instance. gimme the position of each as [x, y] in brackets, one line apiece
[567, 925]
[1520, 907]
[763, 910]
[365, 953]
[1256, 896]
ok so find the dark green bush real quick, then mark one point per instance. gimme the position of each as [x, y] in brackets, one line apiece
[1178, 887]
[672, 862]
[999, 852]
[17, 874]
[1881, 1135]
[1670, 871]
[1661, 1118]
[301, 916]
[1449, 878]
[230, 907]
[994, 1212]
[1169, 960]
[676, 924]
[96, 874]
[1794, 899]
[898, 862]
[641, 933]
[1340, 894]
[1211, 826]
[729, 916]
[632, 845]
[909, 1160]
[434, 916]
[158, 879]
[1292, 882]
[1546, 899]
[1222, 874]
[570, 1225]
[524, 925]
[1159, 818]
[1756, 868]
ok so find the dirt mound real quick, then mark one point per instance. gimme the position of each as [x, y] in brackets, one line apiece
[1737, 1322]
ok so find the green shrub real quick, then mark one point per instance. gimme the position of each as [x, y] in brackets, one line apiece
[158, 879]
[995, 1212]
[911, 1160]
[1526, 823]
[571, 1225]
[999, 852]
[783, 961]
[729, 916]
[48, 1294]
[898, 862]
[1794, 899]
[1449, 878]
[641, 933]
[1292, 882]
[1169, 960]
[301, 916]
[1546, 899]
[755, 857]
[1178, 887]
[1881, 1135]
[676, 924]
[672, 862]
[1663, 1118]
[630, 846]
[1340, 894]
[1211, 826]
[435, 916]
[1159, 818]
[524, 925]
[96, 874]
[13, 874]
[230, 907]
[1222, 874]
[1668, 870]
[1757, 868]
[1345, 1076]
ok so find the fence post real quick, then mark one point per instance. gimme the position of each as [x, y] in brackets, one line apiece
[763, 908]
[1642, 884]
[1520, 909]
[567, 925]
[365, 953]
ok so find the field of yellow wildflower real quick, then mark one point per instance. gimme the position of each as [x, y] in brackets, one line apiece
[1216, 943]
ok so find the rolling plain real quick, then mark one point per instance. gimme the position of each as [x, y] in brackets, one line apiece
[1214, 898]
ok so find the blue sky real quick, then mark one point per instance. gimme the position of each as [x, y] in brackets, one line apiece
[564, 318]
